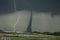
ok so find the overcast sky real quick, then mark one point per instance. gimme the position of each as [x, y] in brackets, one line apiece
[41, 21]
[36, 5]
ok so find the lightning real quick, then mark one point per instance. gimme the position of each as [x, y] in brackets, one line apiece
[16, 23]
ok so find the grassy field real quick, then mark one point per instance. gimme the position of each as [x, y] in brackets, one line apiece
[32, 38]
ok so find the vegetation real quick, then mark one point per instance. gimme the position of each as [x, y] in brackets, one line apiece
[56, 37]
[48, 33]
[54, 33]
[31, 38]
[1, 31]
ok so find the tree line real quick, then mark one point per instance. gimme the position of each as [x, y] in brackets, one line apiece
[48, 33]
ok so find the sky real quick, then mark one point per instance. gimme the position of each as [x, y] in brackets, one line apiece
[43, 11]
[36, 5]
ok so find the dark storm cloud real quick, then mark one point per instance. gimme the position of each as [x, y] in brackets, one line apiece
[36, 5]
[39, 5]
[6, 6]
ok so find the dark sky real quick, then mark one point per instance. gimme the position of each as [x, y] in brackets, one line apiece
[36, 5]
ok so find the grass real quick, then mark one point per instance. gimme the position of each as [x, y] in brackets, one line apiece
[32, 38]
[54, 38]
[25, 38]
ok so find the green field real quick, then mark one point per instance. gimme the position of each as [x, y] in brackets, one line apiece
[32, 38]
[29, 37]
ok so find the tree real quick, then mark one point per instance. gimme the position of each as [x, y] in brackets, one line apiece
[1, 31]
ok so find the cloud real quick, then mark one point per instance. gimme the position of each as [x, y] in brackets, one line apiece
[40, 22]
